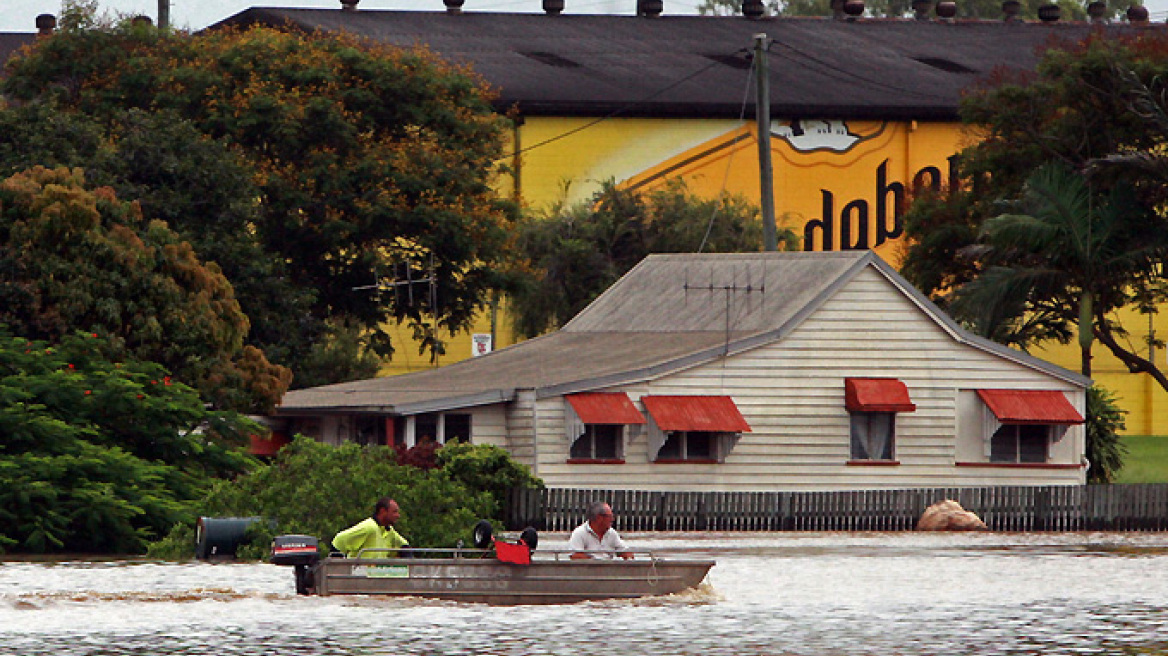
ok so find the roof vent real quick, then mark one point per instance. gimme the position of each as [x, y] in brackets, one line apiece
[1097, 11]
[45, 24]
[1137, 14]
[142, 21]
[1010, 10]
[739, 61]
[1049, 13]
[947, 10]
[551, 58]
[349, 5]
[650, 8]
[553, 7]
[921, 9]
[753, 8]
[453, 7]
[946, 65]
[854, 9]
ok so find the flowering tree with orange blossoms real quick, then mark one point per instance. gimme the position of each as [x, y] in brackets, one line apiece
[372, 164]
[74, 258]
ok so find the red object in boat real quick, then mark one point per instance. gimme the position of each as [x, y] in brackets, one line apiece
[516, 554]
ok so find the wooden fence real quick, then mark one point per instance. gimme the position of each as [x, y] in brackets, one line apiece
[1014, 508]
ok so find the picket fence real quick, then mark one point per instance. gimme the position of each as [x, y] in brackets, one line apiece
[1009, 508]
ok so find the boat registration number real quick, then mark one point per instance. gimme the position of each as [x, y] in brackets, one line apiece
[386, 571]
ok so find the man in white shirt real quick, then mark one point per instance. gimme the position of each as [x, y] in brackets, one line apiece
[596, 538]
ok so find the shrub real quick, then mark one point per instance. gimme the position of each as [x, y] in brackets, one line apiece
[1104, 450]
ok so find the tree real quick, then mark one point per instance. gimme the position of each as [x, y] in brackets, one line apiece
[370, 161]
[101, 453]
[1105, 452]
[198, 186]
[1085, 104]
[317, 489]
[577, 252]
[72, 258]
[1064, 258]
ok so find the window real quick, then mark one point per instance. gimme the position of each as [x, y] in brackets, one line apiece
[425, 428]
[1020, 443]
[456, 428]
[689, 445]
[873, 435]
[441, 427]
[596, 425]
[599, 442]
[369, 430]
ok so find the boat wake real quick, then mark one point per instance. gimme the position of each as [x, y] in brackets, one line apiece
[39, 600]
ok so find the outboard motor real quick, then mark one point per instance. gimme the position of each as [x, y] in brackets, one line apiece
[299, 551]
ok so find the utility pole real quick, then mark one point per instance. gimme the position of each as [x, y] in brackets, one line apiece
[770, 232]
[163, 14]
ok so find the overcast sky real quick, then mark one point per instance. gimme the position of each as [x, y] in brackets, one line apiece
[20, 15]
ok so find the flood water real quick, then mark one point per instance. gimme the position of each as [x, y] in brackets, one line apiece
[776, 594]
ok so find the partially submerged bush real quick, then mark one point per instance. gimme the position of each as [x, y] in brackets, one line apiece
[317, 489]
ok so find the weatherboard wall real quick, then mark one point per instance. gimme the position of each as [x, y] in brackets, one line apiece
[791, 392]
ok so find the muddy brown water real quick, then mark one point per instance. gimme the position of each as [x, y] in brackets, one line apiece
[792, 593]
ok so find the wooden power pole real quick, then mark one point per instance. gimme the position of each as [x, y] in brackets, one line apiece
[770, 233]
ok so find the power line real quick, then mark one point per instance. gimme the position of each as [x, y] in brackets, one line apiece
[616, 112]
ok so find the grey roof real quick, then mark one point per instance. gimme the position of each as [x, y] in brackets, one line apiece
[698, 65]
[669, 313]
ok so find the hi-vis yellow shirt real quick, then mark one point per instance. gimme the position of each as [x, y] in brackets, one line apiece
[369, 535]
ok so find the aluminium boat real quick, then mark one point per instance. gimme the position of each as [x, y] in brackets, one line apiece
[505, 574]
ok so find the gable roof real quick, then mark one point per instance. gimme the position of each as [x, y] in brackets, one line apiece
[667, 314]
[698, 66]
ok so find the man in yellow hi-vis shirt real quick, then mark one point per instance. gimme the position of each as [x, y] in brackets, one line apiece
[374, 532]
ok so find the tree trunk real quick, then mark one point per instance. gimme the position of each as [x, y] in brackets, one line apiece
[1086, 330]
[1135, 364]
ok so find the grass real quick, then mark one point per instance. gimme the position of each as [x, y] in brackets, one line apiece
[1146, 460]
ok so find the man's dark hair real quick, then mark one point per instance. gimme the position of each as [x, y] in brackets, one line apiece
[382, 503]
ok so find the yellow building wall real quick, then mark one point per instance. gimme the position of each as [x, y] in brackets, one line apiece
[845, 180]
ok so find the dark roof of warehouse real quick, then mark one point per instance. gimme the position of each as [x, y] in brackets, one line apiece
[698, 66]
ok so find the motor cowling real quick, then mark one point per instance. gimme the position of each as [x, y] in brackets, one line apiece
[295, 550]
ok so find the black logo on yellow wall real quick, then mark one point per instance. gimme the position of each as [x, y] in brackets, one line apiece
[855, 227]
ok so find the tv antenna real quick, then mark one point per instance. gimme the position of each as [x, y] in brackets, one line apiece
[730, 291]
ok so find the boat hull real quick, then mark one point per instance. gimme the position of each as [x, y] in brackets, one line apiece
[490, 581]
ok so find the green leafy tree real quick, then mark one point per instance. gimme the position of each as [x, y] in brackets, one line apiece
[1096, 240]
[1063, 259]
[317, 489]
[198, 186]
[577, 252]
[488, 468]
[369, 160]
[72, 258]
[101, 453]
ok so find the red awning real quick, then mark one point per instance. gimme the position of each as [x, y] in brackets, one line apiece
[1030, 406]
[716, 414]
[877, 395]
[261, 446]
[605, 408]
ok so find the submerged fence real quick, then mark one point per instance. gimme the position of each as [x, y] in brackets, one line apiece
[1013, 508]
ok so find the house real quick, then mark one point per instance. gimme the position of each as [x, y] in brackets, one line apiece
[863, 112]
[761, 371]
